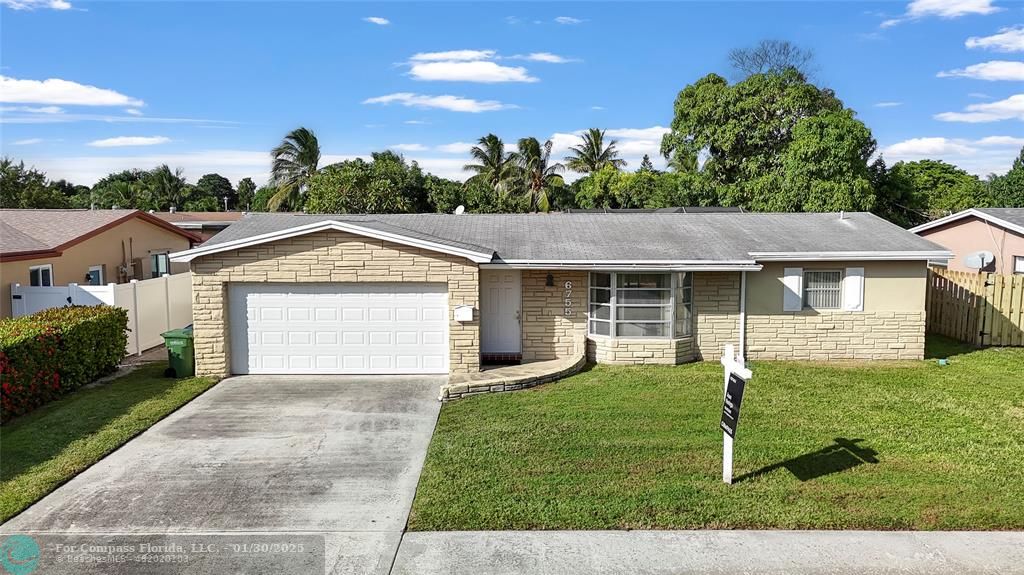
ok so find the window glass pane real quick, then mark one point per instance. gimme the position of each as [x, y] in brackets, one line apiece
[1018, 264]
[600, 311]
[33, 277]
[822, 279]
[643, 280]
[600, 295]
[643, 313]
[94, 277]
[600, 327]
[633, 329]
[47, 279]
[822, 289]
[600, 280]
[643, 296]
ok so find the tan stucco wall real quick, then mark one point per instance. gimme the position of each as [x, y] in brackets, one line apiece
[548, 333]
[892, 325]
[101, 249]
[328, 257]
[969, 235]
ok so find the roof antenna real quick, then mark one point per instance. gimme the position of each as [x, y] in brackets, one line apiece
[842, 214]
[460, 210]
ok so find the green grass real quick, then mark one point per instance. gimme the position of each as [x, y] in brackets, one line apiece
[42, 450]
[640, 448]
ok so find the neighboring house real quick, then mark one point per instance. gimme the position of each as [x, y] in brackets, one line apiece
[58, 247]
[203, 224]
[438, 293]
[996, 230]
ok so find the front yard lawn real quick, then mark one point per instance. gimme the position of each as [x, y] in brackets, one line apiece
[42, 450]
[908, 445]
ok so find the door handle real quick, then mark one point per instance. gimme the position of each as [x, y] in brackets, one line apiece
[518, 318]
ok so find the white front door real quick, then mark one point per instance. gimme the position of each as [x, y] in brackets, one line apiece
[339, 328]
[500, 311]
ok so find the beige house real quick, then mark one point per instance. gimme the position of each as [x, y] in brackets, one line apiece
[998, 231]
[59, 247]
[445, 294]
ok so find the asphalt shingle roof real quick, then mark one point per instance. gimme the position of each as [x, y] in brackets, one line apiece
[621, 236]
[1013, 215]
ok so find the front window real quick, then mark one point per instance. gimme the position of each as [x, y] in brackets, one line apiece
[95, 276]
[1018, 264]
[823, 289]
[640, 305]
[40, 276]
[161, 264]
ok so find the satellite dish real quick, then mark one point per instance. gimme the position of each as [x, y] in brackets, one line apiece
[979, 260]
[459, 210]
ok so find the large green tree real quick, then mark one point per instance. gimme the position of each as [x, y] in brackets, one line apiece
[593, 154]
[22, 187]
[246, 191]
[537, 174]
[386, 184]
[940, 187]
[167, 188]
[217, 187]
[124, 189]
[773, 141]
[295, 161]
[1008, 190]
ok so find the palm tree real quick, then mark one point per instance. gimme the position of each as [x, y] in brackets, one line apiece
[592, 154]
[295, 161]
[167, 188]
[536, 172]
[494, 166]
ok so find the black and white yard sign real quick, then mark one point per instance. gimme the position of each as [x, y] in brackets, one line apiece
[736, 377]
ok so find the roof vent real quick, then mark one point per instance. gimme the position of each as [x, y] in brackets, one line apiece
[172, 209]
[460, 210]
[842, 215]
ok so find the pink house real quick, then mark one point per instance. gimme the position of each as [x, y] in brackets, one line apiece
[996, 230]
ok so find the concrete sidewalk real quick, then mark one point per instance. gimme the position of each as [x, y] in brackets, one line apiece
[710, 552]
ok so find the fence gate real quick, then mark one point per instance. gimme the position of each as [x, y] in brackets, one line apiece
[979, 308]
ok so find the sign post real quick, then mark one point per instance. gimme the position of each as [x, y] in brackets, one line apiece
[736, 376]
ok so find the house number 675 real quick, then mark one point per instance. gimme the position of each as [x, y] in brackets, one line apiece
[568, 299]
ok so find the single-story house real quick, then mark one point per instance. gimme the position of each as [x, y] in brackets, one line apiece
[203, 224]
[442, 293]
[59, 247]
[999, 231]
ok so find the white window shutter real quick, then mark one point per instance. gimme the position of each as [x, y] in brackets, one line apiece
[793, 293]
[853, 289]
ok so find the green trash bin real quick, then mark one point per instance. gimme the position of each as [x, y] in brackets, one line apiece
[180, 352]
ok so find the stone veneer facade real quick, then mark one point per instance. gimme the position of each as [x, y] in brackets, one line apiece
[548, 333]
[328, 256]
[836, 335]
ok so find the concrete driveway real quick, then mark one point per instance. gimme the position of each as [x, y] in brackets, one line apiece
[329, 461]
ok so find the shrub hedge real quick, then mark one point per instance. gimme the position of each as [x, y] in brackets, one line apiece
[52, 352]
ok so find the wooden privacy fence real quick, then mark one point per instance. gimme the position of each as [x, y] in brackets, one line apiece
[979, 308]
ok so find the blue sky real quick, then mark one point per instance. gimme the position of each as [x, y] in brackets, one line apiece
[93, 87]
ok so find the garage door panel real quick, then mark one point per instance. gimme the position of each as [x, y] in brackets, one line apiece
[339, 328]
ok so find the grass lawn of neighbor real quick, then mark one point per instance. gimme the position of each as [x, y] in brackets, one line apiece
[43, 449]
[845, 445]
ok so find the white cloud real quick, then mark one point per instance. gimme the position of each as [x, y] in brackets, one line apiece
[33, 109]
[57, 91]
[122, 141]
[979, 95]
[632, 144]
[408, 147]
[888, 104]
[455, 148]
[1011, 108]
[132, 112]
[60, 118]
[445, 102]
[947, 9]
[992, 154]
[475, 71]
[34, 4]
[377, 20]
[546, 57]
[28, 142]
[992, 71]
[416, 122]
[567, 20]
[1009, 39]
[454, 56]
[597, 107]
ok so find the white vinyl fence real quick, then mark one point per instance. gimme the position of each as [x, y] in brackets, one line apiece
[154, 305]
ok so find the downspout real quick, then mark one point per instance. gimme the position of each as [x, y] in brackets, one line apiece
[743, 318]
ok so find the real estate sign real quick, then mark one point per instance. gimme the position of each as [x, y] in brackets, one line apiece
[731, 406]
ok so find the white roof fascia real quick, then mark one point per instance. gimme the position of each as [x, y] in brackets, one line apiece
[840, 256]
[966, 213]
[189, 255]
[655, 265]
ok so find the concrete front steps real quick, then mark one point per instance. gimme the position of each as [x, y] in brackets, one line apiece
[511, 377]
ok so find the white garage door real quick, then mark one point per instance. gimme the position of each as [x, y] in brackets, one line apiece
[339, 328]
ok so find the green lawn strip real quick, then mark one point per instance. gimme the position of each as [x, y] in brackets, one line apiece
[640, 447]
[42, 450]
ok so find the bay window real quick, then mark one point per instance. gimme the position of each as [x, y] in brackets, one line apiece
[640, 304]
